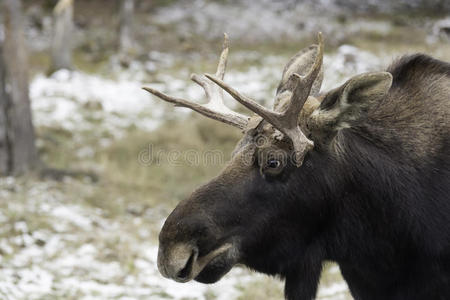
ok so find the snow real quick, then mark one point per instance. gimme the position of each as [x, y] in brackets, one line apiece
[59, 98]
[348, 61]
[333, 291]
[72, 99]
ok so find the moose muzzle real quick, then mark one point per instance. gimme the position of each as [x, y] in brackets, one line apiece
[182, 263]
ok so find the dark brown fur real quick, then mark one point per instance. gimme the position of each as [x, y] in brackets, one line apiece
[373, 195]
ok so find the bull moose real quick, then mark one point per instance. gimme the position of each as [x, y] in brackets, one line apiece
[359, 175]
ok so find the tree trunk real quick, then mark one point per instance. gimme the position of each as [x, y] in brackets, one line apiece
[17, 141]
[4, 103]
[61, 56]
[126, 39]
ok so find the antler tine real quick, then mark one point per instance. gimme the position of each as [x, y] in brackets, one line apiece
[214, 108]
[269, 115]
[304, 85]
[221, 67]
[231, 119]
[213, 93]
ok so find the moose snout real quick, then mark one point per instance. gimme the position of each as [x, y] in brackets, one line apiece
[178, 261]
[190, 241]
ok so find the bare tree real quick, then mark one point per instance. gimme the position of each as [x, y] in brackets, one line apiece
[17, 140]
[4, 150]
[61, 56]
[126, 39]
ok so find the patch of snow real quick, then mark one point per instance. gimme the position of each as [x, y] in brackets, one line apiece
[59, 100]
[440, 29]
[348, 61]
[333, 289]
[72, 214]
[78, 102]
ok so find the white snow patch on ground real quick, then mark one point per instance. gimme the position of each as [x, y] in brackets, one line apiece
[70, 99]
[336, 291]
[58, 100]
[346, 62]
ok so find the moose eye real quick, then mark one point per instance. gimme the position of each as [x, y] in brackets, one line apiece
[272, 167]
[273, 163]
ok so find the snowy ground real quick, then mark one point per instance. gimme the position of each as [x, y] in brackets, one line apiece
[54, 245]
[60, 100]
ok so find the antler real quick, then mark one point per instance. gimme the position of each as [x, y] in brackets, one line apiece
[287, 120]
[215, 107]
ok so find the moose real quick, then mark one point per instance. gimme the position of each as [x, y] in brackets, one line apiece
[359, 175]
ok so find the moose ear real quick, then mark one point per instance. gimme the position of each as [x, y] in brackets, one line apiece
[366, 88]
[344, 106]
[301, 63]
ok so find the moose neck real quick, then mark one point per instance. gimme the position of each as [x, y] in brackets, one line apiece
[367, 201]
[374, 230]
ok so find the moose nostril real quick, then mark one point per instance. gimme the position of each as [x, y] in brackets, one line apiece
[178, 262]
[184, 273]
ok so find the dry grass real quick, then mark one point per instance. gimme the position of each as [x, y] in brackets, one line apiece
[145, 168]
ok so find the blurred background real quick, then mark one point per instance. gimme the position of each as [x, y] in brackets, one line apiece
[90, 164]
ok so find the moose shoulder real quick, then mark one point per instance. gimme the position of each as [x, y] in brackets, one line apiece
[359, 175]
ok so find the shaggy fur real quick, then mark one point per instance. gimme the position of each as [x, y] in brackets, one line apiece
[374, 198]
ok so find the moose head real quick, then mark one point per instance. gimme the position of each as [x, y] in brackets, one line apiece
[269, 207]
